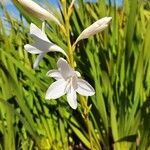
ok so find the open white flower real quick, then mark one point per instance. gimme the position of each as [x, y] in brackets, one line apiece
[41, 44]
[96, 27]
[67, 82]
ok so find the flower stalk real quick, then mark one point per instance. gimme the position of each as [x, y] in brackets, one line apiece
[71, 61]
[68, 81]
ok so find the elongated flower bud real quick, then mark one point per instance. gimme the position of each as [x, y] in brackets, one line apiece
[38, 11]
[96, 27]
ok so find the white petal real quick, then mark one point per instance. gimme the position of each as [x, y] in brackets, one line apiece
[56, 89]
[45, 46]
[42, 45]
[54, 74]
[72, 98]
[84, 88]
[36, 32]
[74, 83]
[55, 48]
[96, 27]
[31, 49]
[65, 70]
[38, 59]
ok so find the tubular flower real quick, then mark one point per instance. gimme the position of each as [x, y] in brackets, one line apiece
[67, 82]
[41, 44]
[96, 27]
[37, 11]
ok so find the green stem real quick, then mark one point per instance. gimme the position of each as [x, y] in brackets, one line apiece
[67, 28]
[70, 50]
[86, 109]
[71, 61]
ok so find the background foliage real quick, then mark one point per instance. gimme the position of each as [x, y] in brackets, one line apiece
[116, 62]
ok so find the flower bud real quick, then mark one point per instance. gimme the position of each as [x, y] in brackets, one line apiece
[96, 27]
[37, 11]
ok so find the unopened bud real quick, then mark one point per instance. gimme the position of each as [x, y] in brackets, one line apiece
[37, 11]
[96, 27]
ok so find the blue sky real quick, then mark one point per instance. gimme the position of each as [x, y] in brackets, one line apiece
[11, 8]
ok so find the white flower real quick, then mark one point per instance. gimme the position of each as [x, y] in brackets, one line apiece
[41, 44]
[67, 82]
[38, 11]
[96, 27]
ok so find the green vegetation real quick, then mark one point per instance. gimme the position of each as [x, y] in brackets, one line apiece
[116, 62]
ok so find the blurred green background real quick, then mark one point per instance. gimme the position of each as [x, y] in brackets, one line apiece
[115, 62]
